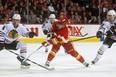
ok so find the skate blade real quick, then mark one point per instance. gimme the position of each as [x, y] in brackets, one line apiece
[87, 65]
[24, 67]
[50, 68]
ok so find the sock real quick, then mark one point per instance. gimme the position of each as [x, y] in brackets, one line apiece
[23, 54]
[51, 55]
[98, 56]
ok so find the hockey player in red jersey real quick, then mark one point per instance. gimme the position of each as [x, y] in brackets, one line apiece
[61, 38]
[64, 19]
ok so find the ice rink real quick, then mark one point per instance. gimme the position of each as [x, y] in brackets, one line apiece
[65, 65]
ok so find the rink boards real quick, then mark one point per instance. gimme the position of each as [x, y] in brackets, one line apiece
[76, 32]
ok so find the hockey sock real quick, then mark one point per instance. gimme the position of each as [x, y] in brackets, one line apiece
[51, 55]
[98, 56]
[80, 58]
[23, 54]
[77, 56]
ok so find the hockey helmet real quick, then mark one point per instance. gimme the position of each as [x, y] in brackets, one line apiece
[111, 12]
[52, 16]
[62, 13]
[16, 16]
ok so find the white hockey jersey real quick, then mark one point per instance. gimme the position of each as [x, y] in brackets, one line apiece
[12, 34]
[105, 26]
[47, 25]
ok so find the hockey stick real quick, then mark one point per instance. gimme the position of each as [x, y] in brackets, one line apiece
[81, 35]
[50, 69]
[32, 53]
[83, 38]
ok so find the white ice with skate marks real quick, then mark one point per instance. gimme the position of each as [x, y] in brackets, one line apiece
[65, 65]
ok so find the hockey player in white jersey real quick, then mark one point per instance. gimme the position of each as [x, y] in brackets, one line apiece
[108, 27]
[9, 35]
[47, 28]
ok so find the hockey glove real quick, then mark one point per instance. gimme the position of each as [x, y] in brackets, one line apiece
[109, 33]
[112, 31]
[51, 41]
[113, 28]
[45, 44]
[32, 34]
[45, 32]
[99, 34]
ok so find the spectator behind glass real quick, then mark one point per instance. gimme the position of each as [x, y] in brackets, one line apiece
[45, 7]
[6, 19]
[1, 8]
[93, 20]
[89, 15]
[5, 10]
[77, 16]
[24, 17]
[78, 6]
[84, 18]
[37, 21]
[57, 8]
[32, 18]
[41, 19]
[73, 20]
[51, 8]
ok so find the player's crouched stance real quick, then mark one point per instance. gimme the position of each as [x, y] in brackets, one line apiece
[9, 35]
[61, 38]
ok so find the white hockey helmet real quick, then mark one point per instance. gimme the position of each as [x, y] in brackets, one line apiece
[111, 12]
[16, 16]
[52, 16]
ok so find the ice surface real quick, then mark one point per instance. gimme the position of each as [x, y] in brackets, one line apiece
[65, 65]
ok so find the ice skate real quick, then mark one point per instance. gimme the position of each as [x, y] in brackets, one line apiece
[95, 60]
[24, 64]
[46, 50]
[86, 64]
[47, 64]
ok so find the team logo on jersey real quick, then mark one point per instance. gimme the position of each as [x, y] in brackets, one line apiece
[63, 20]
[13, 34]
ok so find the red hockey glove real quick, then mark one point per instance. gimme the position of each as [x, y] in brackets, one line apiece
[45, 44]
[51, 41]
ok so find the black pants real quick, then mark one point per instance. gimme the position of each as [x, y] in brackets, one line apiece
[11, 46]
[109, 41]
